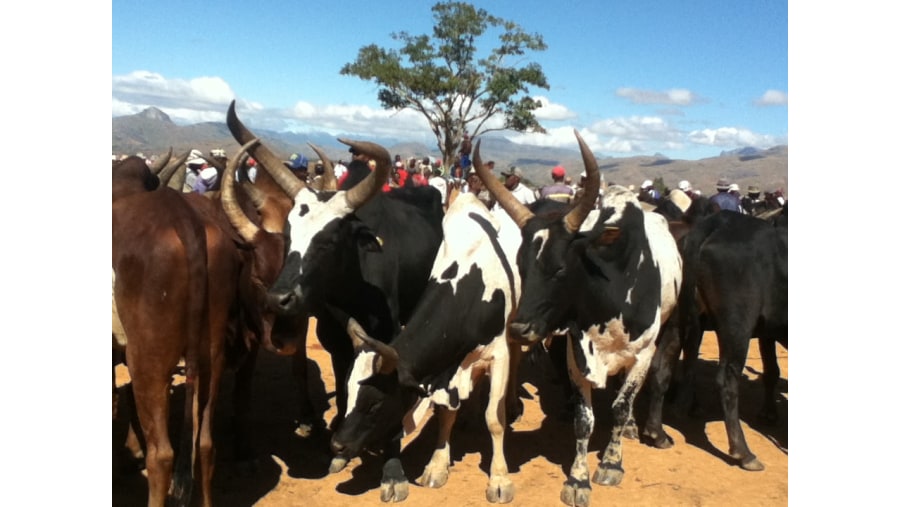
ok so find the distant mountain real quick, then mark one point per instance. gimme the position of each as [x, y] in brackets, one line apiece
[152, 131]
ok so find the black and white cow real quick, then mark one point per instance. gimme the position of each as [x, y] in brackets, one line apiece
[612, 287]
[456, 335]
[735, 283]
[359, 253]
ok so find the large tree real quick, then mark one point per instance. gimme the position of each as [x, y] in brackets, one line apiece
[441, 77]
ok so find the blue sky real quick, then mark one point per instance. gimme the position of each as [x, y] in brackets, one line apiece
[686, 79]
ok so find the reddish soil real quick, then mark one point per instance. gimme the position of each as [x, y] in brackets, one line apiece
[539, 449]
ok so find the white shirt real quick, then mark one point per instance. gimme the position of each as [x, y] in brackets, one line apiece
[440, 184]
[524, 194]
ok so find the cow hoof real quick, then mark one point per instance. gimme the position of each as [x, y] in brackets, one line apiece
[337, 464]
[500, 490]
[630, 431]
[609, 475]
[576, 493]
[394, 491]
[659, 440]
[752, 464]
[434, 476]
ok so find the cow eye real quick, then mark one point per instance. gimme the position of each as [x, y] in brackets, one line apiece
[304, 209]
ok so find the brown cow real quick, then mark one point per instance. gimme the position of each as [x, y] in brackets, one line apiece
[160, 268]
[243, 260]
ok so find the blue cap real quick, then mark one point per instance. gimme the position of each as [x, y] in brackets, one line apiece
[298, 161]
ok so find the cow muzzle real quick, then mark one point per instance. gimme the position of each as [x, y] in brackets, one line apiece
[524, 333]
[285, 303]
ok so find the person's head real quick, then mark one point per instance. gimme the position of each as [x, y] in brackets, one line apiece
[299, 165]
[734, 189]
[684, 186]
[722, 185]
[357, 155]
[753, 191]
[513, 177]
[558, 173]
[474, 181]
[217, 153]
[195, 160]
[647, 185]
[568, 180]
[490, 165]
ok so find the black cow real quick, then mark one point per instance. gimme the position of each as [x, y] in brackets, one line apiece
[735, 283]
[456, 335]
[613, 288]
[358, 253]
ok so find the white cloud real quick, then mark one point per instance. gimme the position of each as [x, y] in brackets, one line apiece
[732, 137]
[550, 111]
[184, 100]
[204, 99]
[772, 98]
[673, 97]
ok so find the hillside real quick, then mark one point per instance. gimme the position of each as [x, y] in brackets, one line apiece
[153, 132]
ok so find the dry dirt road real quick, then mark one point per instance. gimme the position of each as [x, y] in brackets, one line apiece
[539, 450]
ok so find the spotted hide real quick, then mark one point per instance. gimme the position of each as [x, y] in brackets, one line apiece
[612, 288]
[455, 335]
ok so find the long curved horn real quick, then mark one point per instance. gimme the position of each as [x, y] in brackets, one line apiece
[515, 209]
[176, 182]
[367, 188]
[358, 336]
[161, 162]
[166, 174]
[576, 217]
[291, 184]
[329, 182]
[236, 216]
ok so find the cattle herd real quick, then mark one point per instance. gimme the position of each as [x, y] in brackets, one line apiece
[416, 305]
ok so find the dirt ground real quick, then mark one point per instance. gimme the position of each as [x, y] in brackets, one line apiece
[539, 449]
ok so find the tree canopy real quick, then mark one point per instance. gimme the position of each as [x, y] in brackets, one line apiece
[443, 78]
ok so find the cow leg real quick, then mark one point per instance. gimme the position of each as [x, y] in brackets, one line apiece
[577, 488]
[691, 341]
[663, 364]
[394, 485]
[438, 469]
[771, 374]
[244, 452]
[514, 406]
[610, 471]
[309, 420]
[500, 488]
[207, 404]
[151, 398]
[732, 357]
[132, 442]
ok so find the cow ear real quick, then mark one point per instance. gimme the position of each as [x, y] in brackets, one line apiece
[366, 240]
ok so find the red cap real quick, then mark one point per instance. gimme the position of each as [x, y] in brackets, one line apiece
[558, 171]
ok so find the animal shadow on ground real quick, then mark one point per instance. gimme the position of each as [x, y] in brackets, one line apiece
[273, 421]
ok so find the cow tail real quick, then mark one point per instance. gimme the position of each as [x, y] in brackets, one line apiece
[197, 324]
[688, 312]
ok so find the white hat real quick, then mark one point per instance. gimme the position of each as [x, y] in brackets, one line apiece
[684, 185]
[208, 175]
[195, 158]
[734, 187]
[647, 183]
